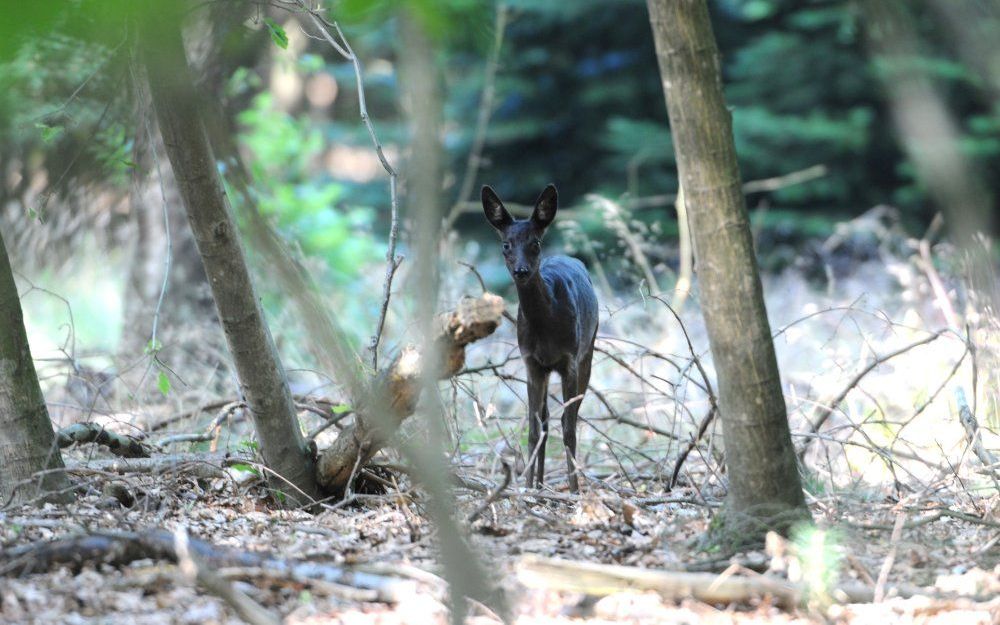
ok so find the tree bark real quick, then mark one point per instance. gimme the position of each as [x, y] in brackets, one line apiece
[261, 375]
[27, 442]
[764, 487]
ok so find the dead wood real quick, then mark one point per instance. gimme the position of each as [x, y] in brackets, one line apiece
[606, 579]
[398, 388]
[122, 548]
[119, 444]
[204, 466]
[248, 610]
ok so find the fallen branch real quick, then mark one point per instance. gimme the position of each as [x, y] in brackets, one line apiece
[122, 548]
[496, 494]
[119, 444]
[973, 433]
[196, 572]
[605, 579]
[399, 386]
[205, 466]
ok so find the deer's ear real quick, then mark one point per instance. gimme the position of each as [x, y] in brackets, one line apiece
[545, 207]
[496, 214]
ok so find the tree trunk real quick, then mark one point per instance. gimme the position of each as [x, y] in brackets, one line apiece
[27, 442]
[764, 487]
[261, 375]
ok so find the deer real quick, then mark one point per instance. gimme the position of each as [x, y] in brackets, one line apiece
[557, 320]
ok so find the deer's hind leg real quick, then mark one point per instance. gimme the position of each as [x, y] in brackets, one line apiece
[572, 390]
[575, 381]
[538, 423]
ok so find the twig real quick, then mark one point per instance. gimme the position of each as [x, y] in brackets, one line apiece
[497, 492]
[827, 407]
[391, 260]
[883, 574]
[926, 264]
[659, 201]
[617, 221]
[694, 356]
[482, 120]
[702, 428]
[245, 607]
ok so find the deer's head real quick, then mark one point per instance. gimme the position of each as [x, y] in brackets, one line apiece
[521, 239]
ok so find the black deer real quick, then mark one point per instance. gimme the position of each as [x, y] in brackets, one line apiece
[556, 323]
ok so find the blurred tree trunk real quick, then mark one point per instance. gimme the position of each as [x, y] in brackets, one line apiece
[764, 487]
[27, 442]
[262, 377]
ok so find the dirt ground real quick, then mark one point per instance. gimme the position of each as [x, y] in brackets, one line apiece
[389, 535]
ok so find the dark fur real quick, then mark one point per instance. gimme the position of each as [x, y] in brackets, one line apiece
[556, 323]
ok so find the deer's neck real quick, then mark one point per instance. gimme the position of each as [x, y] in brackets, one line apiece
[535, 300]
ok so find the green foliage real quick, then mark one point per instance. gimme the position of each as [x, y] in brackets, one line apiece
[278, 35]
[163, 383]
[242, 467]
[305, 204]
[818, 552]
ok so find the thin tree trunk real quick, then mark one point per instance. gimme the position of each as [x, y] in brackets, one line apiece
[262, 377]
[764, 486]
[27, 442]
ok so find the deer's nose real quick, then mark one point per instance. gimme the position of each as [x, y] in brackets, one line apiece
[521, 272]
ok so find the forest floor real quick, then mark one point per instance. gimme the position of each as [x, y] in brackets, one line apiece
[906, 505]
[389, 535]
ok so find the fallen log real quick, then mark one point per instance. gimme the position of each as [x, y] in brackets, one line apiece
[204, 466]
[397, 389]
[122, 548]
[606, 579]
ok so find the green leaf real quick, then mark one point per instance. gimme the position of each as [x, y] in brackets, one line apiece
[163, 383]
[278, 35]
[340, 409]
[49, 133]
[245, 468]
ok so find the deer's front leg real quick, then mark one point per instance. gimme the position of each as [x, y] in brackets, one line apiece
[538, 423]
[571, 409]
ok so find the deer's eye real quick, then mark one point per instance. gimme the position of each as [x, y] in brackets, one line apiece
[506, 246]
[536, 246]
